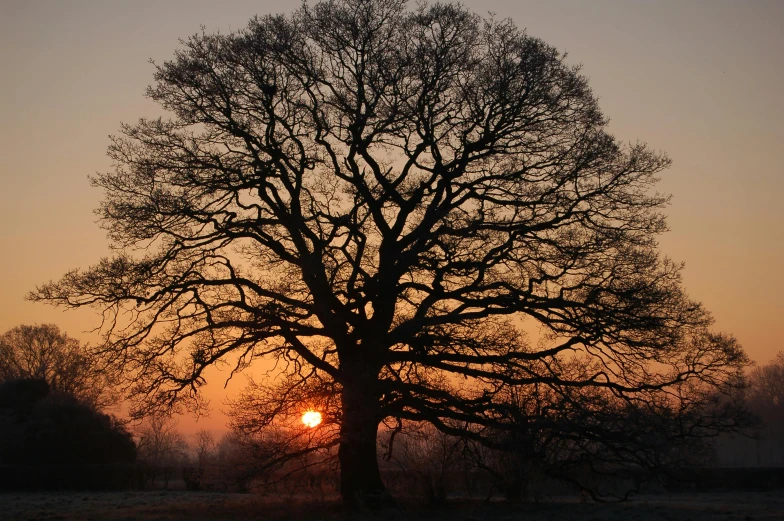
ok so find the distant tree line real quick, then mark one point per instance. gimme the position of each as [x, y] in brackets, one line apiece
[588, 443]
[52, 413]
[584, 441]
[762, 445]
[766, 395]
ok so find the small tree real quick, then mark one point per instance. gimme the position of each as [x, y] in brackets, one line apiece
[201, 468]
[160, 446]
[204, 445]
[384, 201]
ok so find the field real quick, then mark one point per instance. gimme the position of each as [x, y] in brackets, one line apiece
[206, 506]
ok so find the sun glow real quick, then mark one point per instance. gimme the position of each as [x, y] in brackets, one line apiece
[311, 418]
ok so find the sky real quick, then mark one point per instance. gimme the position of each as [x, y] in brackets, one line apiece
[701, 81]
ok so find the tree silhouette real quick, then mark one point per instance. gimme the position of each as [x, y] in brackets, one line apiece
[160, 446]
[413, 210]
[43, 352]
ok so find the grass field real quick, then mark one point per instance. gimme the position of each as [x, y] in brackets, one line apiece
[206, 506]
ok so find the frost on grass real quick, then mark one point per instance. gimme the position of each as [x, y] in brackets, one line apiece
[204, 506]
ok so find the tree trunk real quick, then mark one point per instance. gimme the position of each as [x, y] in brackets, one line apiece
[360, 479]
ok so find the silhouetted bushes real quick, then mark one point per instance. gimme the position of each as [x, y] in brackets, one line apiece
[52, 440]
[39, 427]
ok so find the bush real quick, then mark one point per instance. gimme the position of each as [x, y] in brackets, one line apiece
[45, 434]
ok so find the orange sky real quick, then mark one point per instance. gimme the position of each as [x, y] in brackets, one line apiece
[699, 80]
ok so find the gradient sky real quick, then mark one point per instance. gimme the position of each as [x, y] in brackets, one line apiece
[702, 81]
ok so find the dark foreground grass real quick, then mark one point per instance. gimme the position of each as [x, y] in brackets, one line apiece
[206, 506]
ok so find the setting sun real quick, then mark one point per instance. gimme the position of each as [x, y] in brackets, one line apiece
[311, 418]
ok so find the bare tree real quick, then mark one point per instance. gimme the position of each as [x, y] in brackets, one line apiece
[161, 446]
[44, 352]
[205, 447]
[202, 469]
[384, 201]
[766, 387]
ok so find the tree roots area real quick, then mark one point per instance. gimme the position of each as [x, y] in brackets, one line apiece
[214, 506]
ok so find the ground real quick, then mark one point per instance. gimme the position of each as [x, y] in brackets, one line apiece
[206, 506]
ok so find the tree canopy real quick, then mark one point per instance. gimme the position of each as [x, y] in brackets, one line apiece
[412, 210]
[43, 352]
